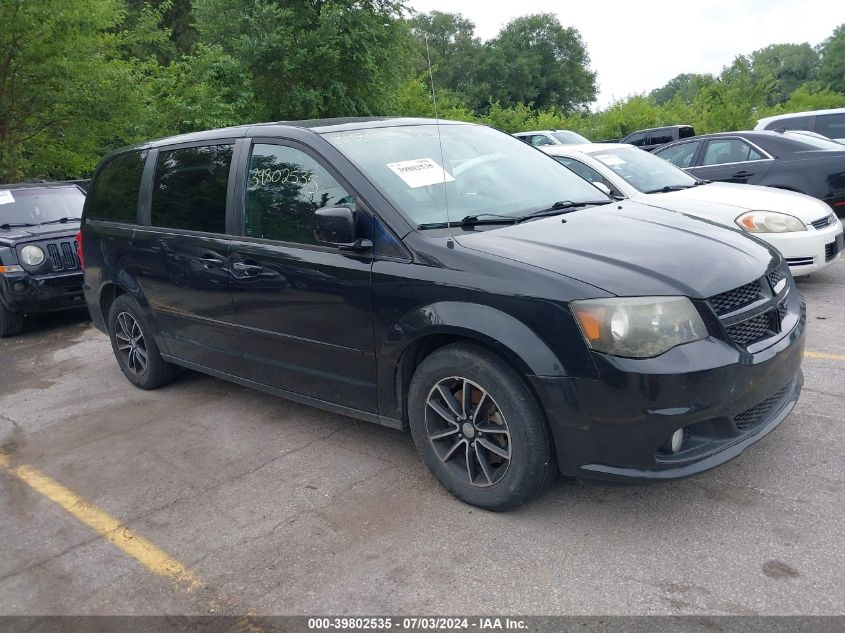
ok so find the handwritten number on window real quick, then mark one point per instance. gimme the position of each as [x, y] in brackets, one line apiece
[299, 177]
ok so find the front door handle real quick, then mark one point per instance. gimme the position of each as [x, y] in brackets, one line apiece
[247, 269]
[743, 174]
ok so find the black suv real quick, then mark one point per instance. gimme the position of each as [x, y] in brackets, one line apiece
[450, 279]
[655, 137]
[39, 265]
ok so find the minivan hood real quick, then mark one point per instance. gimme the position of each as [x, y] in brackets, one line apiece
[746, 198]
[46, 231]
[632, 249]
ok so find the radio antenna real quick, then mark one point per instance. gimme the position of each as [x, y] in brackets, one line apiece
[439, 141]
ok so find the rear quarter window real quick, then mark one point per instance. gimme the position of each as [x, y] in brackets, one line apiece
[113, 195]
[790, 123]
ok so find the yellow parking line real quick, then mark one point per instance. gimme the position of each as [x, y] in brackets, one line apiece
[106, 525]
[823, 355]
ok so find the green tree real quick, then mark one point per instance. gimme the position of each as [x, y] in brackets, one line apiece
[312, 58]
[735, 101]
[172, 19]
[832, 69]
[454, 49]
[808, 97]
[66, 96]
[686, 86]
[790, 65]
[536, 60]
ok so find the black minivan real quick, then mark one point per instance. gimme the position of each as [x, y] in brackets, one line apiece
[450, 279]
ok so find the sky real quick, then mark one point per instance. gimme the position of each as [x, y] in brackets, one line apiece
[636, 46]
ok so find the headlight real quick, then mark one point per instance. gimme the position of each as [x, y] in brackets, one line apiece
[638, 327]
[32, 255]
[769, 222]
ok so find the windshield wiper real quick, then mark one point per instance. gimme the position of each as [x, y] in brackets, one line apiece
[472, 220]
[669, 188]
[59, 221]
[8, 225]
[562, 206]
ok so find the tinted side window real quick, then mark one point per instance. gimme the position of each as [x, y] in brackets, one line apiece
[680, 155]
[792, 123]
[189, 191]
[284, 188]
[636, 139]
[729, 151]
[831, 125]
[660, 137]
[114, 194]
[538, 140]
[686, 132]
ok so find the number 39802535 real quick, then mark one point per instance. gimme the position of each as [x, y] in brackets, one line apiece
[300, 177]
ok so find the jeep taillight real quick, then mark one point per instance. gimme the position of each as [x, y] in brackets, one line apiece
[79, 249]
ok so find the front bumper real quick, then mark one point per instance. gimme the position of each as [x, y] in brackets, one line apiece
[724, 398]
[22, 292]
[808, 251]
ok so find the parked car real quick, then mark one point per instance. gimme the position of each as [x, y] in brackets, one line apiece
[828, 123]
[786, 160]
[39, 268]
[803, 229]
[653, 138]
[551, 137]
[448, 279]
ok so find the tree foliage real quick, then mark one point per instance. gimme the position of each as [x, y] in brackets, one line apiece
[66, 93]
[685, 86]
[312, 58]
[81, 77]
[832, 68]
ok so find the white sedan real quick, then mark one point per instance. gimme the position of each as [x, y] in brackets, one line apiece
[802, 228]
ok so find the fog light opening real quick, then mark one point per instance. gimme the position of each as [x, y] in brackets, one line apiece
[675, 442]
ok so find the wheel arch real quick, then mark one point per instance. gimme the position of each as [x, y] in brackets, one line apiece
[427, 329]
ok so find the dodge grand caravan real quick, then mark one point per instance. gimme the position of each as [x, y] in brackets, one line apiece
[451, 280]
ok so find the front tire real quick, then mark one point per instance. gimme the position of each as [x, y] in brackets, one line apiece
[134, 346]
[11, 323]
[479, 429]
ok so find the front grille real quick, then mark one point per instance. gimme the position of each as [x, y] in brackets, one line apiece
[824, 222]
[831, 250]
[735, 299]
[783, 310]
[752, 330]
[63, 256]
[759, 413]
[774, 277]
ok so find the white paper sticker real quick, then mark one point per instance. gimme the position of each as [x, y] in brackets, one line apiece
[610, 160]
[420, 172]
[6, 197]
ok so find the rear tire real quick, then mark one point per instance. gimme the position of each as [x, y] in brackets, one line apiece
[479, 429]
[134, 346]
[11, 323]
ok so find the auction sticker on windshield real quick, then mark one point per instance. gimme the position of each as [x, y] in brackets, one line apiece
[420, 172]
[6, 197]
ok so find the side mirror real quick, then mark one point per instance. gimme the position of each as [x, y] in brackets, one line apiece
[336, 226]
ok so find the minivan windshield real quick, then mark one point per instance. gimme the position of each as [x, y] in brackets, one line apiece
[480, 171]
[39, 205]
[645, 172]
